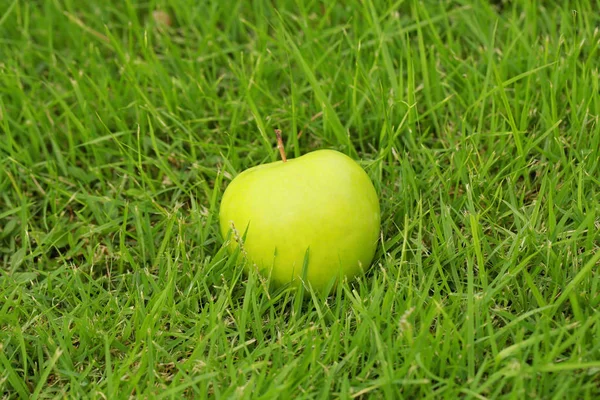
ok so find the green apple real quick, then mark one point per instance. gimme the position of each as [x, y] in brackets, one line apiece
[316, 215]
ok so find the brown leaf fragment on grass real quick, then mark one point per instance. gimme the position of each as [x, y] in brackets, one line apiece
[162, 18]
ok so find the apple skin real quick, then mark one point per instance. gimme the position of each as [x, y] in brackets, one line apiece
[323, 202]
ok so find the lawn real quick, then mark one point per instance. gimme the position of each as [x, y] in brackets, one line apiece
[122, 123]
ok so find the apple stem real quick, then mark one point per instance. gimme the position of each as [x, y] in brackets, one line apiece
[280, 145]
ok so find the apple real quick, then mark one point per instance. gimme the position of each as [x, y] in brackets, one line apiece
[315, 218]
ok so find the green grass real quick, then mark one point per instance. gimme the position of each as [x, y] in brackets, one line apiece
[478, 124]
